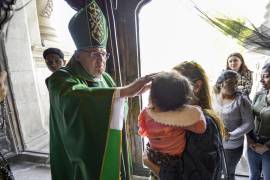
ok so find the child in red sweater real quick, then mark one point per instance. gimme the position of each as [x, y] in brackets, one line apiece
[168, 116]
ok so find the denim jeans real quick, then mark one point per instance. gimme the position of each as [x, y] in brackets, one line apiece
[232, 158]
[258, 164]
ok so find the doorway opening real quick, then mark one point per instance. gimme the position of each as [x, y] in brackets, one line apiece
[171, 33]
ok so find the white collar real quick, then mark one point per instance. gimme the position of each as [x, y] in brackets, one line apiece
[182, 117]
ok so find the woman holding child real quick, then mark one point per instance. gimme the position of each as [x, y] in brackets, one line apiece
[200, 97]
[166, 119]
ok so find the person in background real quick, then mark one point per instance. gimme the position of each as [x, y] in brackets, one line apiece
[235, 62]
[167, 118]
[259, 138]
[86, 107]
[54, 59]
[235, 111]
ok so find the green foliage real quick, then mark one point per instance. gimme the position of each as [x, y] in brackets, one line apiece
[234, 28]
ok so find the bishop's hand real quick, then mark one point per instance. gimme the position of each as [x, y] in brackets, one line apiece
[137, 87]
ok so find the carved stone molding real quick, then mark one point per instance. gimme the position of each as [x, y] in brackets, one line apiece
[47, 11]
[47, 32]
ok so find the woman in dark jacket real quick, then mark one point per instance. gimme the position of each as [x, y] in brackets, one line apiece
[259, 138]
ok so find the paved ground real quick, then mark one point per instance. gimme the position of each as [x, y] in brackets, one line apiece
[30, 171]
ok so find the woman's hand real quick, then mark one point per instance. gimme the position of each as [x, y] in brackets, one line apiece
[137, 87]
[250, 141]
[152, 166]
[259, 148]
[226, 135]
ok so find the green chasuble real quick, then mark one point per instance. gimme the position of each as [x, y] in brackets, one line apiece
[85, 131]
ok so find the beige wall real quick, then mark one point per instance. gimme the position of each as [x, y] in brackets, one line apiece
[22, 34]
[25, 45]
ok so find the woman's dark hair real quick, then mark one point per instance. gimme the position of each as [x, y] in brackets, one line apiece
[226, 74]
[170, 90]
[243, 67]
[266, 67]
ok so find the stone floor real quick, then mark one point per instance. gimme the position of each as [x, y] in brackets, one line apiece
[30, 171]
[34, 171]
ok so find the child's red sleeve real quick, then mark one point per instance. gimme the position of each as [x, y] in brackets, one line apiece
[141, 123]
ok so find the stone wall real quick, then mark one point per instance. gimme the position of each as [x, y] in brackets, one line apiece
[22, 32]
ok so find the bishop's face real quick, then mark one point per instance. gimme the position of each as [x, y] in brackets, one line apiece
[93, 60]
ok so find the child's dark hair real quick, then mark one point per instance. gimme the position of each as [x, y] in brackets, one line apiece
[170, 90]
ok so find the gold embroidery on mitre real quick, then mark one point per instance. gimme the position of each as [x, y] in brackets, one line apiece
[97, 23]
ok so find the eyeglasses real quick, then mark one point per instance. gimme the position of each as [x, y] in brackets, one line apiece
[96, 54]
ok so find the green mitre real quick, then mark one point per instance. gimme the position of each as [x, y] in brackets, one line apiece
[88, 27]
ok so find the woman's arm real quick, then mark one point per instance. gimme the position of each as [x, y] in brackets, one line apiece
[152, 166]
[247, 119]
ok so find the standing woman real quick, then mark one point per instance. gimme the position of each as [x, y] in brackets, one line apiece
[236, 62]
[259, 138]
[235, 111]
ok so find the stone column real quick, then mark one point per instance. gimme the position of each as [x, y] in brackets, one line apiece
[47, 31]
[267, 15]
[48, 38]
[24, 82]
